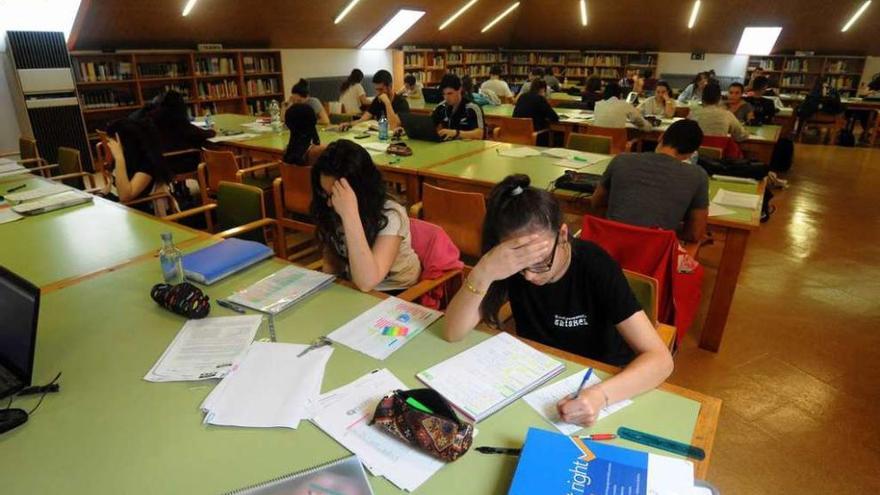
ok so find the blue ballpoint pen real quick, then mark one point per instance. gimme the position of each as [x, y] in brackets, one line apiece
[587, 376]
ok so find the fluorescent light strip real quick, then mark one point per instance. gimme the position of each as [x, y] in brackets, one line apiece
[856, 16]
[502, 16]
[189, 6]
[345, 11]
[584, 12]
[694, 12]
[455, 15]
[393, 29]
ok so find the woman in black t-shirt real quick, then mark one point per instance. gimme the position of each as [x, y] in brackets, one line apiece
[564, 292]
[139, 169]
[304, 146]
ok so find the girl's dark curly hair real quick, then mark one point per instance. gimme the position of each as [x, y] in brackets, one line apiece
[347, 159]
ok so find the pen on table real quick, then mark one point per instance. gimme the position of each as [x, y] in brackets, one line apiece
[16, 188]
[600, 437]
[587, 376]
[228, 305]
[499, 450]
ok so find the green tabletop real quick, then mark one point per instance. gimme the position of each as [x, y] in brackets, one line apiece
[80, 240]
[109, 430]
[740, 215]
[425, 153]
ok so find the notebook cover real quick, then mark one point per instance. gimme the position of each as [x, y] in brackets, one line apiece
[220, 260]
[345, 476]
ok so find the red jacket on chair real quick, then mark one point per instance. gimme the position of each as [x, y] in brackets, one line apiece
[725, 143]
[652, 252]
[437, 254]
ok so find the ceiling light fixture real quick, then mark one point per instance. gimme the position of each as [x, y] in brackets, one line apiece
[856, 16]
[393, 29]
[694, 12]
[758, 40]
[455, 15]
[189, 6]
[584, 12]
[502, 16]
[345, 11]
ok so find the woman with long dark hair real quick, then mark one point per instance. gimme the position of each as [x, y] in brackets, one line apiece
[138, 166]
[694, 90]
[364, 235]
[352, 94]
[564, 292]
[304, 146]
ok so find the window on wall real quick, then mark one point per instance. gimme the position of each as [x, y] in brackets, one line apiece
[36, 15]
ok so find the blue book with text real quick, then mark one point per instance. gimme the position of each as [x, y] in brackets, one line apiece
[556, 464]
[220, 260]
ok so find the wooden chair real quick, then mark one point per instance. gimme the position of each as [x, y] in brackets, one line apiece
[292, 193]
[711, 152]
[828, 125]
[225, 166]
[72, 174]
[682, 112]
[646, 291]
[620, 143]
[29, 156]
[519, 131]
[460, 214]
[240, 212]
[177, 153]
[589, 143]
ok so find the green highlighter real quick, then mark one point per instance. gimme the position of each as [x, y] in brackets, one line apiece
[661, 443]
[418, 405]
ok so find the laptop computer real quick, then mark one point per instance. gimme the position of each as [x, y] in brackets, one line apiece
[419, 126]
[19, 308]
[432, 95]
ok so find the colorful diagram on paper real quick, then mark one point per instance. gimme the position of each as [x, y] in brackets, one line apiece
[391, 328]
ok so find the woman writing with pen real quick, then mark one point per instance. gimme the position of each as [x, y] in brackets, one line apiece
[564, 292]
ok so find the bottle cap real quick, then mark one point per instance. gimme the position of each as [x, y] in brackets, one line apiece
[166, 236]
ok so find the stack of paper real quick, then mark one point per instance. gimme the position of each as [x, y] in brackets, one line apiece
[7, 215]
[282, 289]
[205, 349]
[270, 386]
[36, 192]
[345, 414]
[386, 327]
[53, 202]
[232, 137]
[716, 210]
[519, 152]
[494, 373]
[544, 400]
[8, 167]
[737, 199]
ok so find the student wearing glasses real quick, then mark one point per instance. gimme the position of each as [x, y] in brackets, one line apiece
[564, 292]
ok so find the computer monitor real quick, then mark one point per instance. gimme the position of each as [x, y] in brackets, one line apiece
[19, 309]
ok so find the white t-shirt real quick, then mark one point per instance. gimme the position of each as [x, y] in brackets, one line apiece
[615, 113]
[406, 268]
[351, 99]
[498, 86]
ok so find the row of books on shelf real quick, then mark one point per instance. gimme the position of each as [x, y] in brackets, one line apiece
[163, 69]
[256, 87]
[106, 98]
[103, 71]
[220, 89]
[838, 67]
[252, 64]
[842, 82]
[793, 81]
[797, 65]
[259, 107]
[215, 66]
[417, 59]
[765, 64]
[152, 92]
[471, 70]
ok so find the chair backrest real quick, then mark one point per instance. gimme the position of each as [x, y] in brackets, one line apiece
[711, 152]
[239, 204]
[339, 118]
[682, 112]
[221, 166]
[297, 188]
[460, 214]
[69, 163]
[27, 148]
[516, 131]
[589, 143]
[617, 134]
[728, 147]
[647, 292]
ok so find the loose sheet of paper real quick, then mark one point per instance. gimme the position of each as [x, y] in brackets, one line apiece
[544, 401]
[716, 210]
[737, 199]
[205, 349]
[345, 413]
[519, 152]
[385, 327]
[38, 192]
[270, 386]
[7, 215]
[377, 147]
[233, 137]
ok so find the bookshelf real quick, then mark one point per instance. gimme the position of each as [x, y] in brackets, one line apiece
[427, 64]
[112, 85]
[798, 73]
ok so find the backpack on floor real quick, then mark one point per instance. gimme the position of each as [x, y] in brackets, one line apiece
[734, 167]
[783, 155]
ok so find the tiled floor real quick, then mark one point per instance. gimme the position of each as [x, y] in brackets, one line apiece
[799, 368]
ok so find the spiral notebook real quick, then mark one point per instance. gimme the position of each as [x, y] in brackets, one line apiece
[494, 373]
[341, 476]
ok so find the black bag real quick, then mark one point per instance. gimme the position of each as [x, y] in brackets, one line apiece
[783, 155]
[734, 167]
[578, 181]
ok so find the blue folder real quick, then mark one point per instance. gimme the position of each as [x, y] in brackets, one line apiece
[220, 260]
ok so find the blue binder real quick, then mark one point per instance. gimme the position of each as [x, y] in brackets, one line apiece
[220, 260]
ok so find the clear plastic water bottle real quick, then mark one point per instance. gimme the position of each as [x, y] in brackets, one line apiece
[209, 119]
[695, 158]
[383, 128]
[171, 260]
[275, 113]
